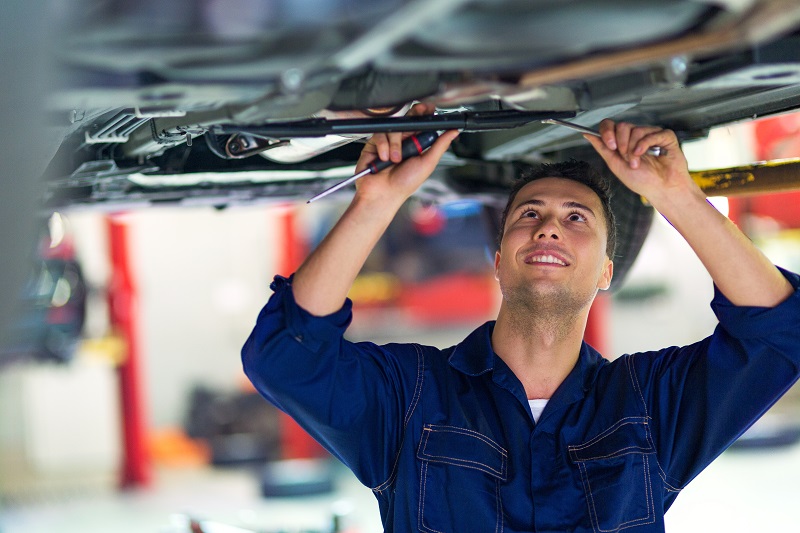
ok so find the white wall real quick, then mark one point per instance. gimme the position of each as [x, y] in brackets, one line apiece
[202, 277]
[679, 316]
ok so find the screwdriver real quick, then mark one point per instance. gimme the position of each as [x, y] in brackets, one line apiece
[653, 150]
[411, 147]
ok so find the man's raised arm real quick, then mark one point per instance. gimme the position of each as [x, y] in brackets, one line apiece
[740, 271]
[322, 282]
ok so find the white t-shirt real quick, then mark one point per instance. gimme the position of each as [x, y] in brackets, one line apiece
[537, 406]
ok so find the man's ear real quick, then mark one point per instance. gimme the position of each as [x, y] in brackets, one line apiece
[606, 275]
[496, 264]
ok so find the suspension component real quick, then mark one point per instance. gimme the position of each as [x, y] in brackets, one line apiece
[242, 145]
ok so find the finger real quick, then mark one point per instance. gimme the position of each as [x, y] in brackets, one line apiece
[396, 139]
[636, 134]
[416, 170]
[636, 144]
[608, 133]
[389, 146]
[369, 153]
[366, 157]
[440, 146]
[395, 147]
[655, 137]
[610, 156]
[428, 160]
[380, 141]
[623, 134]
[421, 109]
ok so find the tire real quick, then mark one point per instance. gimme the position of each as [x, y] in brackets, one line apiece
[634, 219]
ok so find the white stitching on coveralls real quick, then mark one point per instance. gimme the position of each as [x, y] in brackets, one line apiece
[499, 524]
[460, 463]
[456, 461]
[409, 411]
[423, 485]
[481, 436]
[635, 381]
[624, 451]
[610, 431]
[661, 473]
[648, 489]
[663, 476]
[418, 387]
[638, 388]
[649, 480]
[425, 434]
[618, 424]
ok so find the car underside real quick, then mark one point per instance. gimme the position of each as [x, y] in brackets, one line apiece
[221, 102]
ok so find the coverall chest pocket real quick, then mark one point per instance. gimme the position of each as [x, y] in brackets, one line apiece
[460, 475]
[615, 472]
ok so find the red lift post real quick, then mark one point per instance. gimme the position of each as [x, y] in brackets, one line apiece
[136, 470]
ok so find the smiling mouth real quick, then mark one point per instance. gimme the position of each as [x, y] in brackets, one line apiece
[548, 259]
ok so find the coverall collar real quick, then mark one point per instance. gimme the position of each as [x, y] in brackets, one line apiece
[474, 356]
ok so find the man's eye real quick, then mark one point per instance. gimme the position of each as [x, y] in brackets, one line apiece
[576, 217]
[530, 214]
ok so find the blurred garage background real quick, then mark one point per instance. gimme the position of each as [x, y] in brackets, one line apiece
[123, 406]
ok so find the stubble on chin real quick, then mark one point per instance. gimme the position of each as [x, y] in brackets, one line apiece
[552, 307]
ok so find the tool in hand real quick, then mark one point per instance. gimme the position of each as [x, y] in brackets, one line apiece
[653, 150]
[411, 147]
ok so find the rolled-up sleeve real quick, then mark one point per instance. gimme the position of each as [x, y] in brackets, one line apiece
[351, 397]
[702, 397]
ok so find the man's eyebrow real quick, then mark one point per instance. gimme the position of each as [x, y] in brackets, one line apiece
[567, 205]
[578, 205]
[528, 202]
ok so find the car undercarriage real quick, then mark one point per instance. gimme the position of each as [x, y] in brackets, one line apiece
[221, 103]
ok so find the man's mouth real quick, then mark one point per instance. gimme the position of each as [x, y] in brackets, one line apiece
[546, 258]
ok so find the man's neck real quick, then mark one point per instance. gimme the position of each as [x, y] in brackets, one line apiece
[540, 348]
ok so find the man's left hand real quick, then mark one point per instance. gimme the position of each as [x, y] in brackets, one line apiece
[624, 147]
[664, 180]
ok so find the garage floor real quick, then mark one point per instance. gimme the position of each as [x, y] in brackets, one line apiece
[743, 491]
[222, 496]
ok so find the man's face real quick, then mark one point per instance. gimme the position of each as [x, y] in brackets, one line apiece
[553, 251]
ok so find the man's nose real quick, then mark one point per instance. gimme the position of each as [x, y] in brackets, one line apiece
[549, 230]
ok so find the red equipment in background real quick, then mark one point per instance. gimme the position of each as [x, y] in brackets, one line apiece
[136, 468]
[776, 138]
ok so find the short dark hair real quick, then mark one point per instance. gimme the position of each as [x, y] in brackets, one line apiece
[574, 170]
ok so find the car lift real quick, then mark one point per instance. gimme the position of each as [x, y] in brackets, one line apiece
[759, 178]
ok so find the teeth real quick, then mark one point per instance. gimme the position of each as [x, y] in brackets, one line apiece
[547, 259]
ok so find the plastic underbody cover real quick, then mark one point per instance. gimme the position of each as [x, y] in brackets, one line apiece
[312, 40]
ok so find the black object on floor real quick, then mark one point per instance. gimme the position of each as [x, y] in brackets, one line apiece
[297, 477]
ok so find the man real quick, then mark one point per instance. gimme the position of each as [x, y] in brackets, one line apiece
[453, 440]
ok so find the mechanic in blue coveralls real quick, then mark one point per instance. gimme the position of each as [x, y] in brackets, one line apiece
[448, 440]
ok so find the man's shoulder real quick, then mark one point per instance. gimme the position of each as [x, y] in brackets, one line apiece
[473, 354]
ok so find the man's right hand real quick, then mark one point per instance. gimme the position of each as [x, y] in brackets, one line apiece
[401, 180]
[325, 277]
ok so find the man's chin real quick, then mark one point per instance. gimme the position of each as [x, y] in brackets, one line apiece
[550, 297]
